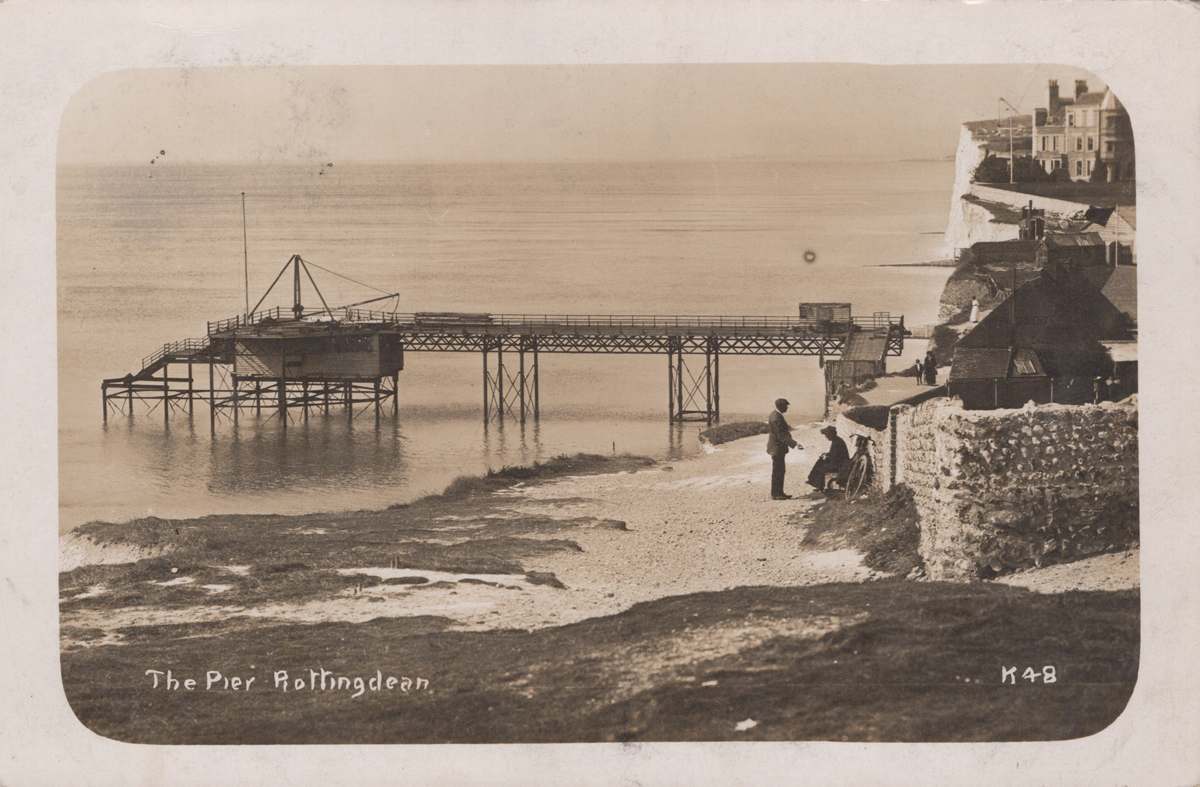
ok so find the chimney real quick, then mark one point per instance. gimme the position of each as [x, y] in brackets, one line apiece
[1052, 96]
[1039, 117]
[1080, 87]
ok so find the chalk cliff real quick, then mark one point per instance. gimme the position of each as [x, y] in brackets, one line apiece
[971, 221]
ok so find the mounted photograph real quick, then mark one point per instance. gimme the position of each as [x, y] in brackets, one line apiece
[597, 403]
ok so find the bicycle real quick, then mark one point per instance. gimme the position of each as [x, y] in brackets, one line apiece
[860, 468]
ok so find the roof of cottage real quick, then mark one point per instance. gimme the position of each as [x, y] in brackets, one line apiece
[865, 347]
[979, 363]
[1074, 239]
[1059, 310]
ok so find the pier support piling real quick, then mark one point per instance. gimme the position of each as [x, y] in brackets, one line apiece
[693, 396]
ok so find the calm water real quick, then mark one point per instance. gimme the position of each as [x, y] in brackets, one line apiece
[146, 260]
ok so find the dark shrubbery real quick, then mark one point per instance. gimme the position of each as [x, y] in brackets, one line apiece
[991, 170]
[944, 340]
[995, 170]
[871, 416]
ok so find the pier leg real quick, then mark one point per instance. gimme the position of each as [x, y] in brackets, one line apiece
[486, 383]
[670, 384]
[395, 393]
[166, 394]
[104, 400]
[716, 382]
[191, 392]
[283, 415]
[708, 387]
[212, 404]
[377, 379]
[679, 382]
[235, 400]
[521, 381]
[536, 392]
[500, 382]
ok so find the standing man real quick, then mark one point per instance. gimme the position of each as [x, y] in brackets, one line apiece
[779, 440]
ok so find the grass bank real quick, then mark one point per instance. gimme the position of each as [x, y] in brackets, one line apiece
[885, 528]
[881, 661]
[256, 560]
[726, 433]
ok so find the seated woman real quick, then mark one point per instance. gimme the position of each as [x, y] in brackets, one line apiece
[834, 460]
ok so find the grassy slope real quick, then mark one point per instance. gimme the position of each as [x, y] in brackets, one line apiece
[914, 661]
[287, 563]
[923, 663]
[885, 529]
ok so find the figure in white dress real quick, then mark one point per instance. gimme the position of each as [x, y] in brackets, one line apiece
[974, 310]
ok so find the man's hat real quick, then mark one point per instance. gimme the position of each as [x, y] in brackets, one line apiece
[829, 431]
[781, 403]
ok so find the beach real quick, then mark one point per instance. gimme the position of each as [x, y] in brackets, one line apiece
[531, 573]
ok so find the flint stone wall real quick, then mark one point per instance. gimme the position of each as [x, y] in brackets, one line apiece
[1005, 489]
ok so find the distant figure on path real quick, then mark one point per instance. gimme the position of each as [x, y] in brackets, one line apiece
[832, 461]
[920, 372]
[930, 369]
[779, 440]
[974, 310]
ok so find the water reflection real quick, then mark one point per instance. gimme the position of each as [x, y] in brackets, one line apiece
[511, 443]
[328, 462]
[319, 451]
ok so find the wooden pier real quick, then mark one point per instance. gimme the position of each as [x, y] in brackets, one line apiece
[304, 360]
[351, 359]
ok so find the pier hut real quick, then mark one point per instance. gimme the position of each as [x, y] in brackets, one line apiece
[281, 359]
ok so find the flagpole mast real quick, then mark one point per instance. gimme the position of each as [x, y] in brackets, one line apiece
[245, 257]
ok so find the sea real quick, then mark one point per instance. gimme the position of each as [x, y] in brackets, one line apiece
[149, 254]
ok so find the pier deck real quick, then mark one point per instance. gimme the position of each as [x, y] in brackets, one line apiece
[239, 377]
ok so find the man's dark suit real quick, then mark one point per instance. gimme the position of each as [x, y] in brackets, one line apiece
[779, 440]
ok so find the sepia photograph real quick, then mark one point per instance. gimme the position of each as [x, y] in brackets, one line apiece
[539, 404]
[580, 393]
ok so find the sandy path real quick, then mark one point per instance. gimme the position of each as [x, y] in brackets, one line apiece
[703, 524]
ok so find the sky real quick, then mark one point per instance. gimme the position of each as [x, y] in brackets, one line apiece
[540, 113]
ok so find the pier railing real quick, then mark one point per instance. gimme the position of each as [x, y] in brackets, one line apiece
[615, 321]
[437, 321]
[253, 319]
[182, 347]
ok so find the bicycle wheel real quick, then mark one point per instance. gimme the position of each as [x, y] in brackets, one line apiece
[857, 478]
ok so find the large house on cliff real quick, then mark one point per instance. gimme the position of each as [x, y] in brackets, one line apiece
[1082, 133]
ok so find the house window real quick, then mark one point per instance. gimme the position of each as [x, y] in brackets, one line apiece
[1054, 144]
[1079, 167]
[1025, 366]
[1079, 143]
[1091, 143]
[1070, 118]
[1110, 147]
[1043, 143]
[1088, 168]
